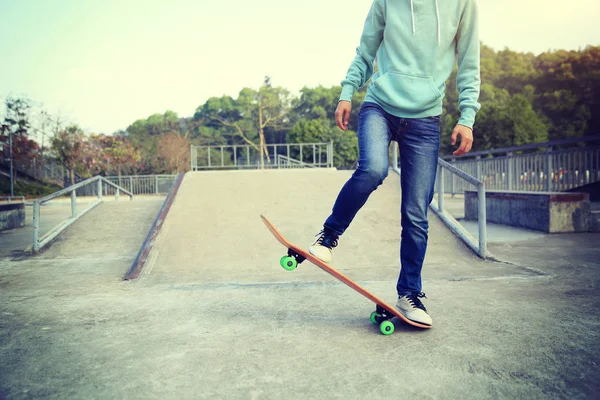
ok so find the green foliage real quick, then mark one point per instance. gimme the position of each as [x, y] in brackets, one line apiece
[145, 135]
[345, 144]
[527, 98]
[26, 187]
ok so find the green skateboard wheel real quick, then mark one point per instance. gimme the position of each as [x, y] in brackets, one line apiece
[374, 317]
[387, 327]
[288, 263]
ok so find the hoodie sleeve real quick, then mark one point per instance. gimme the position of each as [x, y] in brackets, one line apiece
[468, 79]
[361, 67]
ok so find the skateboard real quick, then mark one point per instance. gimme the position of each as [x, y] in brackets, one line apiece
[383, 312]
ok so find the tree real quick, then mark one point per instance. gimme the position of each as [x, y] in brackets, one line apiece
[506, 120]
[251, 115]
[145, 135]
[320, 130]
[226, 112]
[570, 95]
[174, 153]
[119, 152]
[68, 146]
[14, 130]
[272, 106]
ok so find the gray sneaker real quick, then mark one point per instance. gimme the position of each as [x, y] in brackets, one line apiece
[323, 245]
[411, 307]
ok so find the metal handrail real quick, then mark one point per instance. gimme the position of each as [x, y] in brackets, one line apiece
[39, 243]
[547, 166]
[480, 246]
[530, 146]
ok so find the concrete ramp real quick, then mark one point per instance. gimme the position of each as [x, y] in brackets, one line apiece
[213, 233]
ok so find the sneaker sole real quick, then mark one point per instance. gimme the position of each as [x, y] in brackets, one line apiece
[413, 320]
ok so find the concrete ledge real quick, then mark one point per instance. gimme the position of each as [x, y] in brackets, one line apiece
[550, 212]
[12, 216]
[140, 261]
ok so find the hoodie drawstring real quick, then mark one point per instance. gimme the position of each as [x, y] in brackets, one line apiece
[437, 13]
[412, 11]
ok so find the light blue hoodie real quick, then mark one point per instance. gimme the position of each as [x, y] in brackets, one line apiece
[416, 43]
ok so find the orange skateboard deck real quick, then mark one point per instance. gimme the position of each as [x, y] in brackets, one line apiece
[384, 312]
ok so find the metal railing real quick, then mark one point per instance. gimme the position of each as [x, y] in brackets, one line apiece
[10, 199]
[142, 184]
[478, 246]
[550, 166]
[136, 184]
[40, 242]
[287, 162]
[307, 155]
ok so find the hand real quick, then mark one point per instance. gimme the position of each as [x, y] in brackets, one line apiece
[466, 139]
[342, 114]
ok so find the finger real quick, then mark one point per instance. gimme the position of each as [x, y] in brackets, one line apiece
[346, 118]
[461, 149]
[469, 145]
[338, 119]
[453, 137]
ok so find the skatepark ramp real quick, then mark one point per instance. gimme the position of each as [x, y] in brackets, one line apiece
[213, 232]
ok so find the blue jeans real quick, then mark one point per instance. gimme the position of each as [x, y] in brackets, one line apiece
[418, 140]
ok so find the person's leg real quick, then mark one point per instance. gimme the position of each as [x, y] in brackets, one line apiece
[375, 130]
[419, 141]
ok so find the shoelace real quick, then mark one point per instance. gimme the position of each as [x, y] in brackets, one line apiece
[327, 243]
[413, 299]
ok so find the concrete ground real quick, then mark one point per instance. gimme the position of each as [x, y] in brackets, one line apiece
[214, 316]
[16, 241]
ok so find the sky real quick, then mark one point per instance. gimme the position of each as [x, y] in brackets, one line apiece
[103, 64]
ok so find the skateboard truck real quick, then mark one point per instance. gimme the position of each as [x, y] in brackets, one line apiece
[382, 317]
[291, 261]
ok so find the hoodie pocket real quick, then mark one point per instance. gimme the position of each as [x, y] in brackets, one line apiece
[407, 92]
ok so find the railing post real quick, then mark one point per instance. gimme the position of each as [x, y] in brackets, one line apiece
[100, 189]
[117, 194]
[452, 180]
[548, 170]
[441, 188]
[478, 167]
[331, 154]
[482, 217]
[73, 204]
[156, 183]
[509, 171]
[36, 226]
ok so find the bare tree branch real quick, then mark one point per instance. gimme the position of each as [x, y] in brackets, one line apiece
[239, 131]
